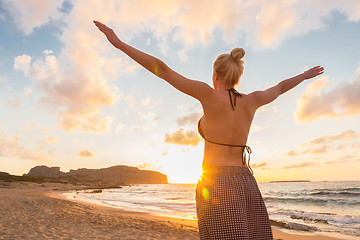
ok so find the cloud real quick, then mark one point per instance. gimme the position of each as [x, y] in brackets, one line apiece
[319, 149]
[78, 83]
[274, 21]
[143, 110]
[316, 150]
[85, 153]
[29, 14]
[181, 137]
[182, 56]
[356, 145]
[22, 63]
[47, 141]
[264, 23]
[76, 93]
[3, 79]
[343, 159]
[341, 101]
[147, 166]
[47, 52]
[292, 153]
[345, 135]
[12, 99]
[324, 142]
[336, 161]
[300, 165]
[10, 146]
[260, 165]
[191, 119]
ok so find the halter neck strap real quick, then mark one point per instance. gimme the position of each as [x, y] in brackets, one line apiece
[236, 94]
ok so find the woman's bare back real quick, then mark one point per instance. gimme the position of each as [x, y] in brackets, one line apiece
[227, 123]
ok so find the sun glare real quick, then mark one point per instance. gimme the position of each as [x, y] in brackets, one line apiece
[183, 173]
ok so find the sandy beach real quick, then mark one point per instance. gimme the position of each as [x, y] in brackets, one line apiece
[38, 211]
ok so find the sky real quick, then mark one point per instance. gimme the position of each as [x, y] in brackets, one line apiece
[69, 99]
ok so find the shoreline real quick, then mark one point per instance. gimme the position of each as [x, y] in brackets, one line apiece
[40, 211]
[279, 233]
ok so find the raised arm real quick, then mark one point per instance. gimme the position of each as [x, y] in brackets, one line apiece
[196, 89]
[260, 98]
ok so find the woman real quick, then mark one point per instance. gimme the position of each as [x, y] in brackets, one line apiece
[228, 201]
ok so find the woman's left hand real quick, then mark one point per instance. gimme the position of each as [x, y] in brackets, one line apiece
[109, 33]
[313, 72]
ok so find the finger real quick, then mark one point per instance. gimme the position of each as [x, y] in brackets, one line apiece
[97, 22]
[320, 69]
[100, 25]
[103, 27]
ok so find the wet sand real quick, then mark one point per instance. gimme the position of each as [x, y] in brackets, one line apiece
[39, 211]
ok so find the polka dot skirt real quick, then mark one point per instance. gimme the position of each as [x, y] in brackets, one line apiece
[229, 205]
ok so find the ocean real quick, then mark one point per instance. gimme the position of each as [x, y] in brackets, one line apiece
[307, 206]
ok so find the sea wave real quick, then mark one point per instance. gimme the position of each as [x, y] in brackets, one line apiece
[309, 219]
[309, 200]
[312, 206]
[293, 226]
[331, 193]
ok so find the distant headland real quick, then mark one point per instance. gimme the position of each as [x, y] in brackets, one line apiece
[290, 181]
[114, 176]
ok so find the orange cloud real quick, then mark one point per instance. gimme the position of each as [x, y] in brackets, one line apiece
[12, 147]
[274, 21]
[319, 149]
[147, 166]
[94, 123]
[300, 165]
[77, 93]
[192, 119]
[260, 165]
[356, 145]
[183, 138]
[292, 153]
[348, 134]
[341, 160]
[86, 153]
[47, 141]
[325, 141]
[341, 101]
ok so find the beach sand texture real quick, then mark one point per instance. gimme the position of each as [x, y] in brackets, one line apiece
[37, 211]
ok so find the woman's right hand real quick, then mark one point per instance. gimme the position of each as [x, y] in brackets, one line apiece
[313, 72]
[109, 33]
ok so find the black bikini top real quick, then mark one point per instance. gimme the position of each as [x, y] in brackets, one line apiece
[248, 149]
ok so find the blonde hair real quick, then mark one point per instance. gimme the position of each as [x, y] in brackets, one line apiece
[230, 67]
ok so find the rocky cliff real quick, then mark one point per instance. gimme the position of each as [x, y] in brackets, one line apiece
[44, 171]
[104, 177]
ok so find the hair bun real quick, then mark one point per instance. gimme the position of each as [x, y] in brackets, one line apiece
[237, 53]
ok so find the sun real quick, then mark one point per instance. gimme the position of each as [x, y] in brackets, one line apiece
[183, 166]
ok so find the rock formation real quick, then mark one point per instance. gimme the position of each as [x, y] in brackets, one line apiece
[44, 171]
[104, 177]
